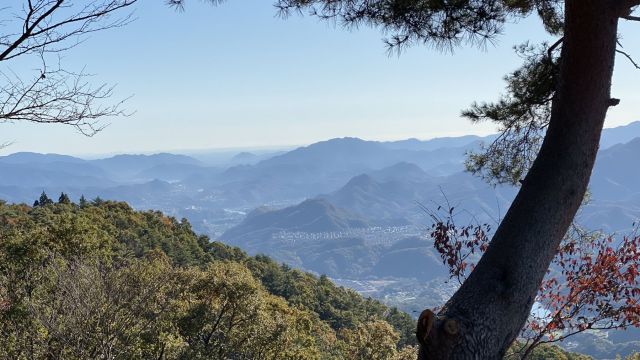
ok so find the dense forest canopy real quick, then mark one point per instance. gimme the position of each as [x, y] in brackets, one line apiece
[101, 280]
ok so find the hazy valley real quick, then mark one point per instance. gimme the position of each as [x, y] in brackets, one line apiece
[347, 208]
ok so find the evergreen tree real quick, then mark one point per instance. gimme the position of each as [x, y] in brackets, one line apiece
[83, 201]
[97, 201]
[44, 199]
[36, 203]
[64, 199]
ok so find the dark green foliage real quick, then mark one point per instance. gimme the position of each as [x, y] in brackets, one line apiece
[404, 324]
[64, 199]
[441, 23]
[552, 14]
[113, 230]
[339, 307]
[522, 116]
[109, 225]
[83, 201]
[44, 200]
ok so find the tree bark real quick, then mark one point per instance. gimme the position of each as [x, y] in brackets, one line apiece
[486, 314]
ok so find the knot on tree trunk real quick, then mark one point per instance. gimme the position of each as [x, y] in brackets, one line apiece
[437, 335]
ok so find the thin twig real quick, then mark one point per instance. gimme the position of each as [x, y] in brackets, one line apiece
[635, 64]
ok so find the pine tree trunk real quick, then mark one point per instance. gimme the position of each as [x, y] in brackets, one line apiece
[486, 314]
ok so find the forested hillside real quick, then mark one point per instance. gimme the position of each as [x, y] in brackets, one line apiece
[100, 280]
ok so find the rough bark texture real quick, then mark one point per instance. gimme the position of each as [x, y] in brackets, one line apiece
[491, 307]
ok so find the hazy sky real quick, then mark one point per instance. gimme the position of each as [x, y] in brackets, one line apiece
[238, 76]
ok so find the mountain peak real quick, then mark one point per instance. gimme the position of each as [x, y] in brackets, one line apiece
[364, 181]
[619, 135]
[33, 157]
[311, 216]
[244, 156]
[343, 142]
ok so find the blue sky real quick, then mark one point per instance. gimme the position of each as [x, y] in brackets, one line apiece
[238, 76]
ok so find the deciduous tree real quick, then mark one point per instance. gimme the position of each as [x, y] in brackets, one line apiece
[593, 283]
[38, 33]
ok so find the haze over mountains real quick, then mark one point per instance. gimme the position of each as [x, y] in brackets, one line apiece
[377, 181]
[344, 207]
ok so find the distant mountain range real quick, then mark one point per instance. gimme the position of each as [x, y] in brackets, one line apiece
[310, 216]
[316, 235]
[380, 182]
[348, 208]
[394, 197]
[103, 172]
[390, 199]
[398, 174]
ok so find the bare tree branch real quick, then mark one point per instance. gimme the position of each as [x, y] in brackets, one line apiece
[631, 18]
[629, 57]
[43, 26]
[635, 64]
[40, 29]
